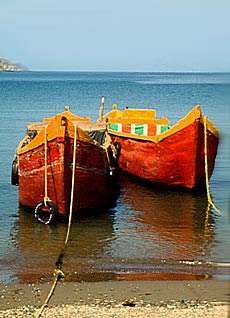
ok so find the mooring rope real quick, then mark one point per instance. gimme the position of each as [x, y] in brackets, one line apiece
[46, 198]
[72, 186]
[210, 201]
[58, 272]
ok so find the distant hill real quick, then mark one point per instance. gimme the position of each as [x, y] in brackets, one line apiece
[7, 66]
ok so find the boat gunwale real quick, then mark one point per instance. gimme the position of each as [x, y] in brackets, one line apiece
[60, 131]
[193, 115]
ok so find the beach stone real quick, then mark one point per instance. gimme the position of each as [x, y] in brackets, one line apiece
[129, 302]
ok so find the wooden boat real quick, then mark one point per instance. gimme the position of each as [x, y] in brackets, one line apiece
[153, 150]
[64, 162]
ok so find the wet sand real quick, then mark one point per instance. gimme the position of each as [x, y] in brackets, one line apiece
[119, 299]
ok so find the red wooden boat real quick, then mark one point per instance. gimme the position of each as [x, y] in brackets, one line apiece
[153, 150]
[63, 163]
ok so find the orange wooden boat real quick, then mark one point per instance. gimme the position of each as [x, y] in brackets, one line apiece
[64, 162]
[153, 150]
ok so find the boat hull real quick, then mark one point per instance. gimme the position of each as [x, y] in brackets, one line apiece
[92, 178]
[45, 166]
[177, 160]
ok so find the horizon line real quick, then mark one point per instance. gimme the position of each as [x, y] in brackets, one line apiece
[123, 71]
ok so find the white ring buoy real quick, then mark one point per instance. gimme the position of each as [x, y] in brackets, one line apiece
[45, 213]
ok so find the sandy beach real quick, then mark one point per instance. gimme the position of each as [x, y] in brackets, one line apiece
[118, 299]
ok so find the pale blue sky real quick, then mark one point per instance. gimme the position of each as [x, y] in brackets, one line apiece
[119, 35]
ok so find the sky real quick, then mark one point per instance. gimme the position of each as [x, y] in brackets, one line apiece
[120, 35]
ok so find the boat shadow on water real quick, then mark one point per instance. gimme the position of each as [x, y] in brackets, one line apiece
[150, 234]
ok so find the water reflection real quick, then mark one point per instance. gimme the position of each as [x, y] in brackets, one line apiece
[41, 245]
[147, 236]
[161, 224]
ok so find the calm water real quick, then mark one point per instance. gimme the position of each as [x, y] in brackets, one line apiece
[150, 233]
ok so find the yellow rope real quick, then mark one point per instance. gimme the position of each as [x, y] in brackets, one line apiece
[57, 272]
[40, 311]
[211, 203]
[46, 198]
[73, 182]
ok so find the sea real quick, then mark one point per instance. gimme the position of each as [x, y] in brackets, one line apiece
[150, 233]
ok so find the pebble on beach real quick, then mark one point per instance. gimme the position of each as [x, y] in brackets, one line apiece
[169, 310]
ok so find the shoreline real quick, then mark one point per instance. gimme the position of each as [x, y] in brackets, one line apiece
[118, 298]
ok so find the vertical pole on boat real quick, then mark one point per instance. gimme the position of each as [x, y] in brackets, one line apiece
[101, 108]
